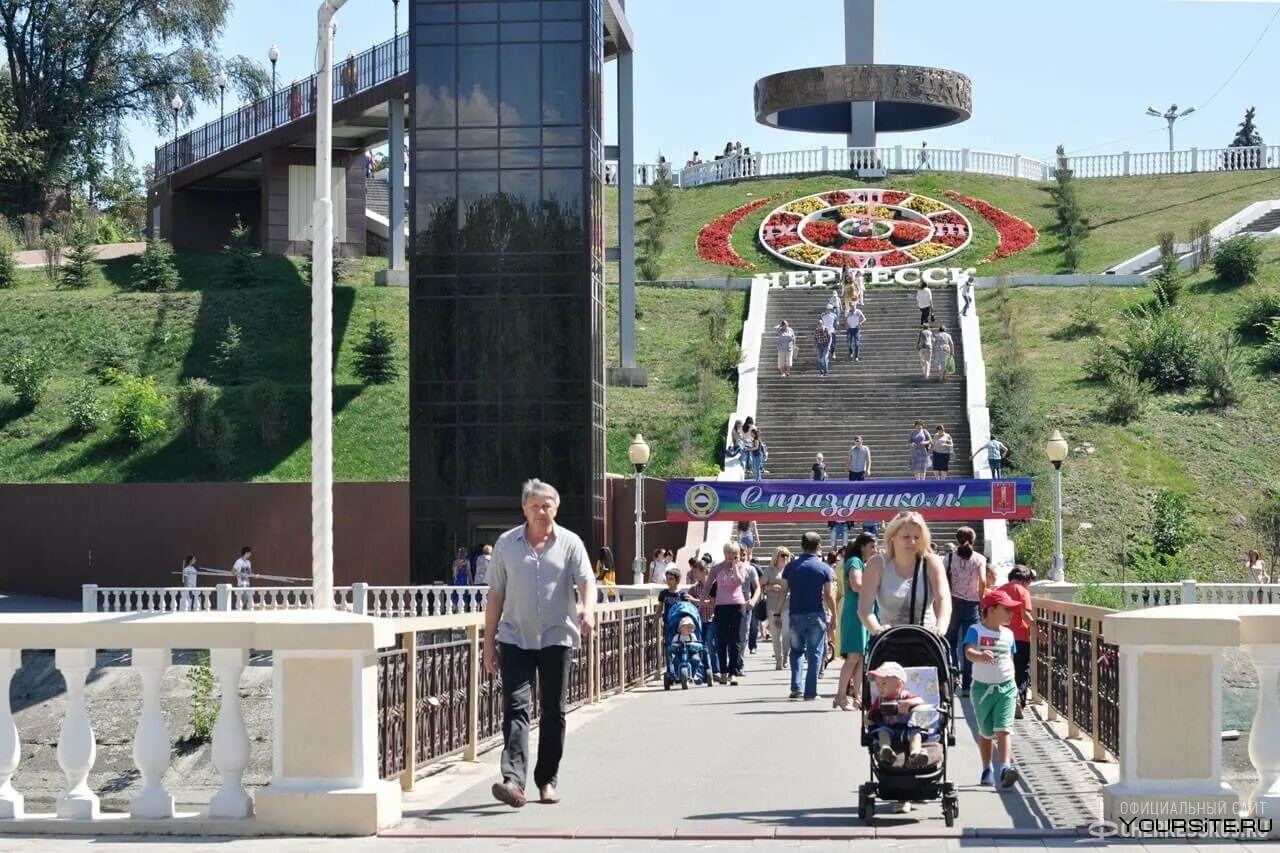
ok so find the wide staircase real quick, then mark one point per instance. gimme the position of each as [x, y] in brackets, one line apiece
[879, 398]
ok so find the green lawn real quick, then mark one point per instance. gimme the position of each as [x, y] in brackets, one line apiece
[1125, 215]
[1220, 459]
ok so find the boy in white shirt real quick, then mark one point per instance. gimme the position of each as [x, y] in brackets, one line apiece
[989, 645]
[243, 568]
[188, 582]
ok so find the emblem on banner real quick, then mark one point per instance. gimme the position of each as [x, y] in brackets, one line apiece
[701, 502]
[1004, 498]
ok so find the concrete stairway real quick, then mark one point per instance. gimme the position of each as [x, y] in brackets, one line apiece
[1263, 224]
[879, 397]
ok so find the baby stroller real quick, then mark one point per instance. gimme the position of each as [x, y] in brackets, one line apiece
[687, 662]
[923, 654]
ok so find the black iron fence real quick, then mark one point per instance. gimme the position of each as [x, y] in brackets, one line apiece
[1077, 672]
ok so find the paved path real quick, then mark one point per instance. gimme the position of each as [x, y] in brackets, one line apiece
[34, 258]
[652, 765]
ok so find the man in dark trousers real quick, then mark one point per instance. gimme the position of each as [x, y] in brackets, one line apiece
[809, 584]
[532, 625]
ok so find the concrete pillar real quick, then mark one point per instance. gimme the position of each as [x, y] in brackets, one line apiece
[860, 49]
[396, 274]
[627, 373]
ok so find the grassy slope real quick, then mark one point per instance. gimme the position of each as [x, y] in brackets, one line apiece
[1126, 214]
[1218, 458]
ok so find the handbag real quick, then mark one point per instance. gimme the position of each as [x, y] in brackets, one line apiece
[951, 364]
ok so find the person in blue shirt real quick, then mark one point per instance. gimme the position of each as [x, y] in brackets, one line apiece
[807, 592]
[996, 451]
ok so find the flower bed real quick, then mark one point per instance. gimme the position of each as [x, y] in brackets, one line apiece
[782, 219]
[821, 232]
[782, 241]
[948, 218]
[806, 205]
[877, 211]
[894, 259]
[1015, 234]
[920, 204]
[806, 253]
[866, 245]
[837, 197]
[955, 241]
[894, 197]
[908, 233]
[928, 251]
[713, 239]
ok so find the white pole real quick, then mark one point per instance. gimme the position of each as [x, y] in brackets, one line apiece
[322, 320]
[1057, 573]
[638, 563]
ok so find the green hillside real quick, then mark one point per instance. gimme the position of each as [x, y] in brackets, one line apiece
[1125, 215]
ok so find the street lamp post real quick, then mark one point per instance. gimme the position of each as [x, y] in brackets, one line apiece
[222, 82]
[638, 453]
[274, 55]
[176, 106]
[1171, 115]
[1056, 449]
[395, 37]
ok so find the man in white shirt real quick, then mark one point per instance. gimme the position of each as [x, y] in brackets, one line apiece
[828, 319]
[967, 291]
[859, 461]
[188, 582]
[924, 301]
[853, 321]
[243, 568]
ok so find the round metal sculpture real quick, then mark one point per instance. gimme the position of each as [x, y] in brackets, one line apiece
[907, 97]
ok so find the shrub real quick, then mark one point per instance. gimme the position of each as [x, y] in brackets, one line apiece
[1093, 595]
[219, 440]
[1271, 347]
[32, 223]
[1102, 360]
[195, 404]
[138, 412]
[1126, 397]
[1167, 281]
[1201, 240]
[78, 270]
[84, 411]
[267, 402]
[1170, 529]
[375, 354]
[1223, 371]
[1086, 316]
[111, 351]
[8, 263]
[1259, 312]
[229, 356]
[1162, 345]
[52, 244]
[1237, 260]
[242, 257]
[25, 368]
[154, 271]
[204, 710]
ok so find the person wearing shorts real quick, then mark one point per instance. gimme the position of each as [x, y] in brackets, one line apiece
[989, 645]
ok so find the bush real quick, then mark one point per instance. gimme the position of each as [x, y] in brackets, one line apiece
[1093, 595]
[229, 356]
[1126, 397]
[84, 411]
[1086, 316]
[1259, 312]
[219, 440]
[1162, 345]
[25, 368]
[1102, 360]
[242, 257]
[1167, 282]
[32, 223]
[78, 271]
[195, 404]
[1238, 260]
[8, 263]
[1223, 371]
[375, 354]
[267, 402]
[204, 709]
[1170, 529]
[112, 351]
[1271, 347]
[52, 244]
[1201, 241]
[154, 271]
[138, 412]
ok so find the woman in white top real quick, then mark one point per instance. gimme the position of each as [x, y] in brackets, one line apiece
[1254, 568]
[908, 565]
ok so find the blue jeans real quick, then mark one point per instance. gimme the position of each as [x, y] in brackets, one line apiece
[967, 304]
[755, 464]
[963, 614]
[839, 532]
[855, 341]
[996, 467]
[709, 640]
[824, 360]
[808, 640]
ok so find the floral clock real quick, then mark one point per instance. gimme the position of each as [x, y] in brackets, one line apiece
[864, 229]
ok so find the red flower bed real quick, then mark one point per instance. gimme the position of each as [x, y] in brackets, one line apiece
[838, 259]
[782, 241]
[867, 244]
[906, 233]
[1015, 234]
[822, 232]
[713, 239]
[894, 259]
[837, 197]
[894, 197]
[783, 220]
[953, 240]
[949, 218]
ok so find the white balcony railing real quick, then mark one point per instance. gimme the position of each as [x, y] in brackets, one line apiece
[1136, 596]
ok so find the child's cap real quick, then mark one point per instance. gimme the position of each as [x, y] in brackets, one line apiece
[998, 597]
[889, 670]
[685, 620]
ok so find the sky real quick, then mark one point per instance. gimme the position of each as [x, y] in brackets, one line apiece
[1080, 73]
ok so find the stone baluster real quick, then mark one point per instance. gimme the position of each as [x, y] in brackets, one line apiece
[11, 802]
[151, 744]
[1264, 736]
[230, 739]
[76, 747]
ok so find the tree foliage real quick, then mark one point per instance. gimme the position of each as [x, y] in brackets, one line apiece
[1071, 223]
[76, 66]
[1247, 135]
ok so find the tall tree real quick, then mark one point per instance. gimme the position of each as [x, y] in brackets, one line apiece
[74, 66]
[1247, 135]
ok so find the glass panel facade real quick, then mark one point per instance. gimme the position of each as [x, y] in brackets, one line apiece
[507, 290]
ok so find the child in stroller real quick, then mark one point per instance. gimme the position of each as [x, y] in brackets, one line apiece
[687, 658]
[891, 717]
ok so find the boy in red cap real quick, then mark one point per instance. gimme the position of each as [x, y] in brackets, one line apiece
[990, 645]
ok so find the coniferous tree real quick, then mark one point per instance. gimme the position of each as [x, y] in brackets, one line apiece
[154, 271]
[375, 354]
[242, 257]
[1248, 137]
[1071, 223]
[77, 270]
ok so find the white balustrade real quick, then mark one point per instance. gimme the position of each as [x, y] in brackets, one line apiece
[11, 802]
[1264, 736]
[1139, 595]
[151, 744]
[77, 748]
[230, 737]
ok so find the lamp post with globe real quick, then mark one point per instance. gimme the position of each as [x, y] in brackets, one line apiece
[638, 453]
[1056, 449]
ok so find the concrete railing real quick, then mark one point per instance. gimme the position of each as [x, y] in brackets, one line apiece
[1134, 596]
[324, 764]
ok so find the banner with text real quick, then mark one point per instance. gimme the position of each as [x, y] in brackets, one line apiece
[840, 500]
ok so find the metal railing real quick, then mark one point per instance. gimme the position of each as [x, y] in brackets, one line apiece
[1076, 673]
[445, 704]
[289, 103]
